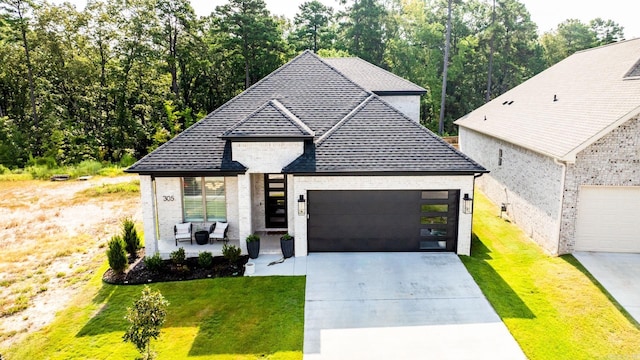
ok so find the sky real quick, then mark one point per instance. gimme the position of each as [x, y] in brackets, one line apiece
[547, 14]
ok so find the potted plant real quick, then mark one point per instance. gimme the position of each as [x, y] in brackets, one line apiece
[253, 245]
[286, 245]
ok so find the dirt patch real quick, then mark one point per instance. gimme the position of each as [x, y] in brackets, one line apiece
[52, 242]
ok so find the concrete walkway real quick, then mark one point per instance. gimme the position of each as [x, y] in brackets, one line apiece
[619, 273]
[399, 306]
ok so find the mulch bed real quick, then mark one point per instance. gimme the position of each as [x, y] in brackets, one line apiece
[137, 273]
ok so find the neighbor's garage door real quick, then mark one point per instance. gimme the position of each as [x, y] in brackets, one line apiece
[608, 219]
[403, 220]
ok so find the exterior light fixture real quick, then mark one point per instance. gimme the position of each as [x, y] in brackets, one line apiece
[302, 205]
[467, 205]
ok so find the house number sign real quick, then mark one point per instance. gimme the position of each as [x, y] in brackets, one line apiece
[168, 198]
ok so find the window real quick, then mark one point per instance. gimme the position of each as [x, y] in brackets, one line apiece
[203, 199]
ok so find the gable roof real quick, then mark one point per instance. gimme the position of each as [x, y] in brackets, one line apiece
[308, 99]
[373, 78]
[271, 121]
[567, 107]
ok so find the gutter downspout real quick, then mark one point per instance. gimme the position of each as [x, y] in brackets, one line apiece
[563, 164]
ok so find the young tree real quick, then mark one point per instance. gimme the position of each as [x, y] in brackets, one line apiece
[146, 317]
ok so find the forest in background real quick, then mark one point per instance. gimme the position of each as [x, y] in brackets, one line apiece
[118, 79]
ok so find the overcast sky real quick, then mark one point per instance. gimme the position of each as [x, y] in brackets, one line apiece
[546, 13]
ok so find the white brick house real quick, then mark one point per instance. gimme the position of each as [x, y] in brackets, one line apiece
[563, 149]
[316, 150]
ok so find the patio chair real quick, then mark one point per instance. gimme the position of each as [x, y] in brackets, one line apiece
[218, 231]
[182, 232]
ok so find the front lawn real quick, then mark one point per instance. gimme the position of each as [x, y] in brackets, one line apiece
[552, 306]
[222, 318]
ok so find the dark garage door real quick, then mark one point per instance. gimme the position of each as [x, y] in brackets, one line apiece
[363, 220]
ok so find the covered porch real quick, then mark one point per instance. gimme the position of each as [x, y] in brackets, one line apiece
[269, 244]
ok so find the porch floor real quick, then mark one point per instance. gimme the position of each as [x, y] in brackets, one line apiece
[269, 245]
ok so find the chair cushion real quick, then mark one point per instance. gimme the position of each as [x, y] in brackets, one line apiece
[183, 228]
[218, 232]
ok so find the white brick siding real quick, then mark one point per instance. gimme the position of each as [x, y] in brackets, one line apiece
[302, 184]
[529, 182]
[266, 157]
[614, 160]
[406, 104]
[168, 196]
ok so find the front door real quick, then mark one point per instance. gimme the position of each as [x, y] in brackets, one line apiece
[275, 190]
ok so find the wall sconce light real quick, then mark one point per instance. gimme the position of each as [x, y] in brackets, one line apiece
[302, 205]
[467, 204]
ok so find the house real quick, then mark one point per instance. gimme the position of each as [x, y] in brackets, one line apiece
[317, 150]
[563, 149]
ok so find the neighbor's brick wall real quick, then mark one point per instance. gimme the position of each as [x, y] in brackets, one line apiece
[529, 182]
[613, 160]
[302, 184]
[406, 104]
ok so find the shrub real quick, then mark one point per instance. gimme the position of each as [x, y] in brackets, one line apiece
[4, 170]
[146, 317]
[178, 256]
[153, 263]
[117, 255]
[231, 252]
[130, 237]
[87, 167]
[253, 237]
[127, 160]
[205, 259]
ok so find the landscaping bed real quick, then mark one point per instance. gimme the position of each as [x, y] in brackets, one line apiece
[190, 269]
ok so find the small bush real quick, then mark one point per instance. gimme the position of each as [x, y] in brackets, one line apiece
[127, 160]
[153, 263]
[205, 259]
[87, 167]
[231, 252]
[130, 237]
[117, 255]
[253, 237]
[4, 170]
[178, 256]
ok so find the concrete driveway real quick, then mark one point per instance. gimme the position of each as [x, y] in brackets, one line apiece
[619, 274]
[399, 306]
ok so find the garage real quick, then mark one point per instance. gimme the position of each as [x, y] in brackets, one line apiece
[608, 219]
[382, 220]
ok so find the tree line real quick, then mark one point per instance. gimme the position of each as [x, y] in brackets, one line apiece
[120, 78]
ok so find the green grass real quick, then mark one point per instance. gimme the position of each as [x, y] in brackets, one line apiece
[132, 187]
[552, 306]
[224, 318]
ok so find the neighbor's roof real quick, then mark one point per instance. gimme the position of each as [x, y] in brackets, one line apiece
[373, 78]
[596, 91]
[346, 129]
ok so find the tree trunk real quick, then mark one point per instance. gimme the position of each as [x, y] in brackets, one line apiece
[445, 69]
[491, 50]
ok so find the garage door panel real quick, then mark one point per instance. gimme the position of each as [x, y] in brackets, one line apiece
[380, 221]
[608, 219]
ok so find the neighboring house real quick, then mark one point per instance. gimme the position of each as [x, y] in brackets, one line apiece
[313, 151]
[563, 149]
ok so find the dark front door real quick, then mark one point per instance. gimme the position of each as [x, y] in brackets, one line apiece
[399, 220]
[275, 190]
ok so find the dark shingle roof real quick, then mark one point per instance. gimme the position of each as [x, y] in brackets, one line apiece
[378, 138]
[272, 120]
[354, 130]
[373, 78]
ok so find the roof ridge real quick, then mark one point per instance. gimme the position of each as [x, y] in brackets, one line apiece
[383, 69]
[341, 74]
[245, 119]
[339, 124]
[296, 120]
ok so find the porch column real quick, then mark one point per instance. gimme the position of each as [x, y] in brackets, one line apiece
[147, 197]
[244, 210]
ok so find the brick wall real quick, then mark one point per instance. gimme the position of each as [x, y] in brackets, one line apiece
[529, 182]
[614, 160]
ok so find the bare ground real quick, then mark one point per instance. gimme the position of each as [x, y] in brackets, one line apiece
[52, 238]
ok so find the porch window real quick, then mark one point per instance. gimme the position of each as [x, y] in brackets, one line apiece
[203, 199]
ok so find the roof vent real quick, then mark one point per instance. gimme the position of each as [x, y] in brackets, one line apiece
[485, 118]
[510, 102]
[505, 103]
[555, 97]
